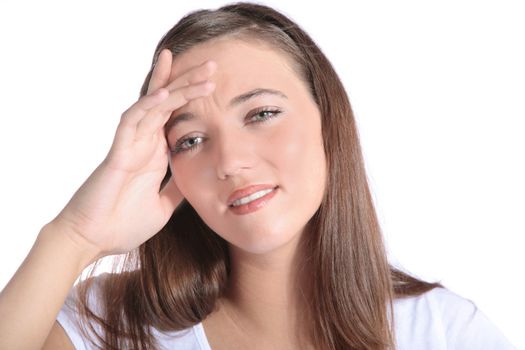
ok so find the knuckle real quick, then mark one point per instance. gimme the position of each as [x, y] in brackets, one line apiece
[124, 115]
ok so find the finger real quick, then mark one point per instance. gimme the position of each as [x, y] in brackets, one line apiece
[138, 110]
[161, 72]
[195, 75]
[159, 115]
[170, 197]
[127, 127]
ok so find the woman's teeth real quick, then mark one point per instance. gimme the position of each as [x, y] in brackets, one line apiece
[251, 197]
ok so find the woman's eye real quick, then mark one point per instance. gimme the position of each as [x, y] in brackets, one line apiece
[263, 115]
[187, 143]
[192, 142]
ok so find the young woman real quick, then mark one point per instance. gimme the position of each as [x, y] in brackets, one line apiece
[236, 186]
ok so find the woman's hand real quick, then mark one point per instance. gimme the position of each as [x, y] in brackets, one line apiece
[119, 206]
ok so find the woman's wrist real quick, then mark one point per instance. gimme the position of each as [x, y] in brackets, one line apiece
[72, 247]
[39, 287]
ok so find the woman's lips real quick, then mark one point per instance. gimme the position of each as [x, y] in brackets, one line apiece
[246, 191]
[255, 204]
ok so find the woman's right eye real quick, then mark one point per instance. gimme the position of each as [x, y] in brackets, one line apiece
[187, 144]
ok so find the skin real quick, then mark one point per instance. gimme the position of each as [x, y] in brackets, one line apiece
[230, 151]
[106, 214]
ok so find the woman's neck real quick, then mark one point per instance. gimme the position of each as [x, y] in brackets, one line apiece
[265, 297]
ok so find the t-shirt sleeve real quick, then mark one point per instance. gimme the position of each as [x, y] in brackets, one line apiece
[465, 325]
[69, 318]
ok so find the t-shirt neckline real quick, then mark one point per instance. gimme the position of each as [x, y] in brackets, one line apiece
[198, 329]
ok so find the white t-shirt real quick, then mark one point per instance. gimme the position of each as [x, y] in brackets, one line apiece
[436, 320]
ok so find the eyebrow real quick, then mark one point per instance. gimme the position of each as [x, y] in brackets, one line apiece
[234, 102]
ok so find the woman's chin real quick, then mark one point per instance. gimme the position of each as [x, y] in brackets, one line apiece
[267, 244]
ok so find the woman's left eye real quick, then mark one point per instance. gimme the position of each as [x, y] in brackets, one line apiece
[262, 115]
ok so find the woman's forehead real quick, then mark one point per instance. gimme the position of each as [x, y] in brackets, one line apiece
[236, 60]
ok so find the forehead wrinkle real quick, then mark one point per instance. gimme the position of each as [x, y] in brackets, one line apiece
[243, 77]
[216, 100]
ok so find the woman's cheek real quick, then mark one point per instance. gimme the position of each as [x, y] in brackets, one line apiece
[181, 175]
[285, 136]
[290, 149]
[195, 178]
[299, 153]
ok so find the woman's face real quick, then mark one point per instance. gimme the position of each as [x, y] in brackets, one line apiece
[228, 143]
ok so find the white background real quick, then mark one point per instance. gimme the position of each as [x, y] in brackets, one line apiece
[438, 89]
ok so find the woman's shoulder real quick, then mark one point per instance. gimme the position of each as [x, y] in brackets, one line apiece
[442, 319]
[191, 338]
[439, 300]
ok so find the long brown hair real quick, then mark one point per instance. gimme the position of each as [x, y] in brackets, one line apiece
[172, 281]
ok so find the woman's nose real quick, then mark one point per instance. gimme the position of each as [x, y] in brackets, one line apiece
[234, 154]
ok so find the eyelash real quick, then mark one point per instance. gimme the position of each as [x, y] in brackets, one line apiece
[178, 145]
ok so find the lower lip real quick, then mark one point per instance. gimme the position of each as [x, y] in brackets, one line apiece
[254, 205]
